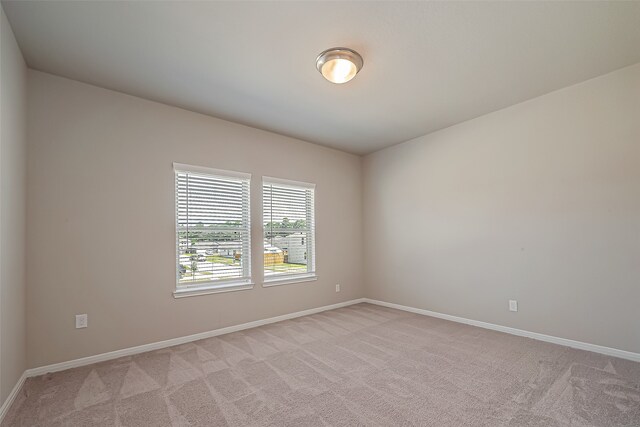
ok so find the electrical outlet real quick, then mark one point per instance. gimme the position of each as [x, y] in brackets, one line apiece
[81, 321]
[337, 288]
[513, 305]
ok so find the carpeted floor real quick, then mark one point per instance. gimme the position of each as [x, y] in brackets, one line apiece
[359, 365]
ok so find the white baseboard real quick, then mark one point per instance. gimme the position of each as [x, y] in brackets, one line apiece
[180, 340]
[4, 409]
[623, 354]
[189, 338]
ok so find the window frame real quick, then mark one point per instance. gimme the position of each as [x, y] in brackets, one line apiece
[213, 286]
[309, 276]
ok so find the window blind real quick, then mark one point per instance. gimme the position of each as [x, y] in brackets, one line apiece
[289, 229]
[213, 236]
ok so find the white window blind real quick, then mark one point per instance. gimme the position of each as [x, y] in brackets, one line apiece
[289, 229]
[213, 232]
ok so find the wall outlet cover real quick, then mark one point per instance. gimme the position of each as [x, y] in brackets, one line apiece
[81, 321]
[513, 305]
[338, 288]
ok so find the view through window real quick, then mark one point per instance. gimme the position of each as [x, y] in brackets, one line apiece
[289, 229]
[213, 227]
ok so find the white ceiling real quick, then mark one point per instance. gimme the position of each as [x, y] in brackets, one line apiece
[427, 65]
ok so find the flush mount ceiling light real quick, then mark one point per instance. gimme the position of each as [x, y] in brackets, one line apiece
[339, 64]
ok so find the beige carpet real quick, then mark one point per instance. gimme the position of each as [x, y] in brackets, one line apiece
[359, 365]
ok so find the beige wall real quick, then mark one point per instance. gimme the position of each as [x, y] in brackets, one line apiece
[101, 219]
[539, 202]
[13, 170]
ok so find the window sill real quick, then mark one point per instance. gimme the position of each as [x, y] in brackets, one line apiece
[289, 280]
[212, 289]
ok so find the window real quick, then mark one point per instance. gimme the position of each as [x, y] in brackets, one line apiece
[289, 231]
[213, 233]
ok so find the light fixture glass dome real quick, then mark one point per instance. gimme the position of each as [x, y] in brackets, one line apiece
[339, 64]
